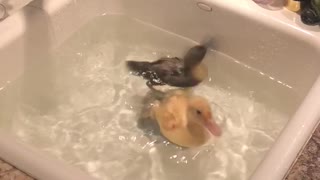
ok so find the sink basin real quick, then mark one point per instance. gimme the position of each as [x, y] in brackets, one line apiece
[279, 53]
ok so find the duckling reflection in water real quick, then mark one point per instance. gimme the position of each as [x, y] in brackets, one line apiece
[182, 117]
[186, 72]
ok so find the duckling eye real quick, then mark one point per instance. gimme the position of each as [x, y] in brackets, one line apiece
[198, 112]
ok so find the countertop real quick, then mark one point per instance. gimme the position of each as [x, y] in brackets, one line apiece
[8, 172]
[306, 167]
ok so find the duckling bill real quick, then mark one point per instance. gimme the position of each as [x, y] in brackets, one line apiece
[186, 72]
[185, 119]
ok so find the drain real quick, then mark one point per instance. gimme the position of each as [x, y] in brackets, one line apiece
[204, 6]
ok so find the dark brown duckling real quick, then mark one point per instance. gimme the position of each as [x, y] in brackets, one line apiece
[177, 72]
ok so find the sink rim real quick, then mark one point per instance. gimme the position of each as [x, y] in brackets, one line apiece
[297, 123]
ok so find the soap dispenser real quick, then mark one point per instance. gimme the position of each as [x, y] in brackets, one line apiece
[293, 5]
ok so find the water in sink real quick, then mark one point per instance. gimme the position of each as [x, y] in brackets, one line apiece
[88, 117]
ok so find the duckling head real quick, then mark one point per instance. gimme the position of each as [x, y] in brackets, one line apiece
[185, 119]
[200, 111]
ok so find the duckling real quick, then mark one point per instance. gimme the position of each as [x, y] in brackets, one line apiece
[186, 72]
[185, 119]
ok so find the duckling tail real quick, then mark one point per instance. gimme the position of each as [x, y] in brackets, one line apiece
[138, 67]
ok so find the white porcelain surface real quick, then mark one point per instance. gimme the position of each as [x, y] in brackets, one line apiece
[239, 25]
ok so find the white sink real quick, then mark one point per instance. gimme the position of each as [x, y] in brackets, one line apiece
[274, 44]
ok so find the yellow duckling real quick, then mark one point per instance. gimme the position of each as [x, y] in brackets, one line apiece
[185, 119]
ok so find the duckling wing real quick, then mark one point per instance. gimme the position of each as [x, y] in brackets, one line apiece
[168, 66]
[172, 71]
[181, 81]
[165, 68]
[157, 71]
[171, 113]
